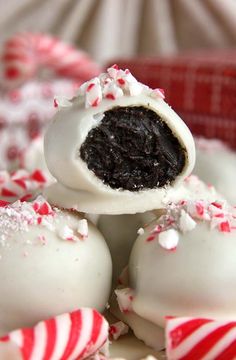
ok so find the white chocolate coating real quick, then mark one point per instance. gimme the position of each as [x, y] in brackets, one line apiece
[141, 327]
[49, 269]
[77, 186]
[195, 279]
[188, 281]
[120, 231]
[216, 164]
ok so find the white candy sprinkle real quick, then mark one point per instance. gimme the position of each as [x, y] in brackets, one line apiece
[118, 329]
[66, 233]
[112, 91]
[186, 223]
[124, 299]
[93, 94]
[83, 228]
[140, 231]
[168, 239]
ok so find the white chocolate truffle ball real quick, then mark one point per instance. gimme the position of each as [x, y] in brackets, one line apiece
[114, 173]
[184, 265]
[120, 231]
[216, 165]
[52, 262]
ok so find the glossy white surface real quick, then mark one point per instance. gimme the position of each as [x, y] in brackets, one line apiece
[39, 280]
[197, 279]
[77, 186]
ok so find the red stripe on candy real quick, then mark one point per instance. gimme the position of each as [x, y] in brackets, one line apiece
[90, 86]
[21, 183]
[181, 332]
[51, 330]
[207, 343]
[97, 323]
[110, 96]
[28, 343]
[95, 331]
[7, 192]
[12, 73]
[4, 203]
[229, 353]
[75, 331]
[38, 176]
[26, 197]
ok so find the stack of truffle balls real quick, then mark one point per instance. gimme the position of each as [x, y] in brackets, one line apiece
[122, 160]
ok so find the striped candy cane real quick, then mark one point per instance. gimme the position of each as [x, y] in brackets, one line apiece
[22, 184]
[189, 338]
[71, 336]
[26, 54]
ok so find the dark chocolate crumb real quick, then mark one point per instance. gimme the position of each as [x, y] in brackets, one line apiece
[133, 149]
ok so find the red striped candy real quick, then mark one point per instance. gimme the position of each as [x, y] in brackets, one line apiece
[25, 54]
[189, 338]
[71, 336]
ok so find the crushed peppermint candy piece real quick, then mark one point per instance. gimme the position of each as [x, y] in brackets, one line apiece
[93, 93]
[124, 298]
[19, 216]
[83, 228]
[118, 329]
[184, 216]
[186, 222]
[112, 91]
[112, 85]
[198, 210]
[158, 93]
[168, 239]
[66, 233]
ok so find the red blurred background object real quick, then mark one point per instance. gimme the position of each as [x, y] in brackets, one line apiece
[200, 86]
[33, 69]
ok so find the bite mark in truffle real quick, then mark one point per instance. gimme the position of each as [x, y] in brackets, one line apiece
[133, 149]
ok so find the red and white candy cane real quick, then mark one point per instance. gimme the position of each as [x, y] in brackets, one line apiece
[22, 185]
[25, 55]
[71, 336]
[189, 338]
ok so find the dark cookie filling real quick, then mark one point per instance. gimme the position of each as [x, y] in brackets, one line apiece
[133, 149]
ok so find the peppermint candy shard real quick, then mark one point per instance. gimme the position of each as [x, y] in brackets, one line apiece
[70, 336]
[112, 85]
[199, 338]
